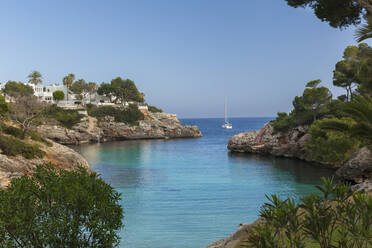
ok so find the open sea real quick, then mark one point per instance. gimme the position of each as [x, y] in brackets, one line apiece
[187, 193]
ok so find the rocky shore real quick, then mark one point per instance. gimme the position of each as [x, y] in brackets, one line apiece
[89, 130]
[59, 156]
[358, 169]
[154, 126]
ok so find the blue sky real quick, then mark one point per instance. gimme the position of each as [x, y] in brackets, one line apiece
[186, 55]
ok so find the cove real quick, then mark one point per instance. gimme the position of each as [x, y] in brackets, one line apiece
[188, 193]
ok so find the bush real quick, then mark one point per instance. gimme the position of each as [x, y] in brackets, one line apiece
[330, 146]
[67, 117]
[130, 115]
[154, 109]
[16, 132]
[282, 123]
[60, 209]
[36, 137]
[328, 219]
[13, 147]
[58, 95]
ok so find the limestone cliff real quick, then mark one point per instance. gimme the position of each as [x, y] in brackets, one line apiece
[357, 169]
[59, 156]
[154, 126]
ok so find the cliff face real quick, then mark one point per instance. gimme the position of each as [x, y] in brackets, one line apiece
[59, 156]
[264, 141]
[154, 126]
[292, 144]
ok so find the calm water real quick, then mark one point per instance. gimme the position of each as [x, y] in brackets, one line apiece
[188, 193]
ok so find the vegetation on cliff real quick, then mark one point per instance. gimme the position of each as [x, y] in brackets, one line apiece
[334, 218]
[338, 127]
[130, 115]
[60, 209]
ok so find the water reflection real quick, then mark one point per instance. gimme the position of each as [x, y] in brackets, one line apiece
[300, 171]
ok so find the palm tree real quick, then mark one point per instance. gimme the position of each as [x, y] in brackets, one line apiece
[365, 31]
[68, 81]
[360, 110]
[35, 78]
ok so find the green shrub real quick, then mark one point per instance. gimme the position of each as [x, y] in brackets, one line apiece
[58, 208]
[329, 146]
[36, 137]
[154, 109]
[130, 115]
[16, 132]
[67, 117]
[282, 123]
[328, 219]
[13, 147]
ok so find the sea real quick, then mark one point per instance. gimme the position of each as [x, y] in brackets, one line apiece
[187, 193]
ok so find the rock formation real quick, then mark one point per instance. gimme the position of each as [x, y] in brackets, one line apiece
[236, 238]
[59, 156]
[290, 144]
[154, 126]
[357, 169]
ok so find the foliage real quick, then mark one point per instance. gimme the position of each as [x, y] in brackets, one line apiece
[365, 31]
[12, 147]
[154, 109]
[314, 103]
[36, 137]
[338, 13]
[15, 89]
[78, 86]
[4, 106]
[68, 81]
[26, 111]
[35, 78]
[121, 91]
[67, 117]
[58, 95]
[60, 209]
[360, 110]
[325, 221]
[355, 69]
[10, 130]
[17, 132]
[130, 115]
[331, 146]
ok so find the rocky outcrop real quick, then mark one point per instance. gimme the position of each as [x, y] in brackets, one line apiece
[154, 126]
[59, 156]
[357, 169]
[265, 141]
[236, 238]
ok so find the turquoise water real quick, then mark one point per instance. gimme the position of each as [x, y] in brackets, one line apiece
[188, 193]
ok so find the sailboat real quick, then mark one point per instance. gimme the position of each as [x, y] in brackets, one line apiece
[226, 123]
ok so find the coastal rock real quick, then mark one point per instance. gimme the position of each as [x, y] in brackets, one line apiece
[59, 156]
[154, 126]
[265, 141]
[292, 144]
[236, 238]
[358, 168]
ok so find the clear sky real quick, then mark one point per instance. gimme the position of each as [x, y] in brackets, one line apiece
[186, 55]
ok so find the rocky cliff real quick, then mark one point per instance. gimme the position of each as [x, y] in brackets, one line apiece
[154, 126]
[264, 141]
[357, 169]
[59, 156]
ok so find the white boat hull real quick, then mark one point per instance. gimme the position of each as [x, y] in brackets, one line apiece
[227, 126]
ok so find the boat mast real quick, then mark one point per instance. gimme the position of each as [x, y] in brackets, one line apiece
[225, 112]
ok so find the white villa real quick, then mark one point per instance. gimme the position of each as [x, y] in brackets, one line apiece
[45, 93]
